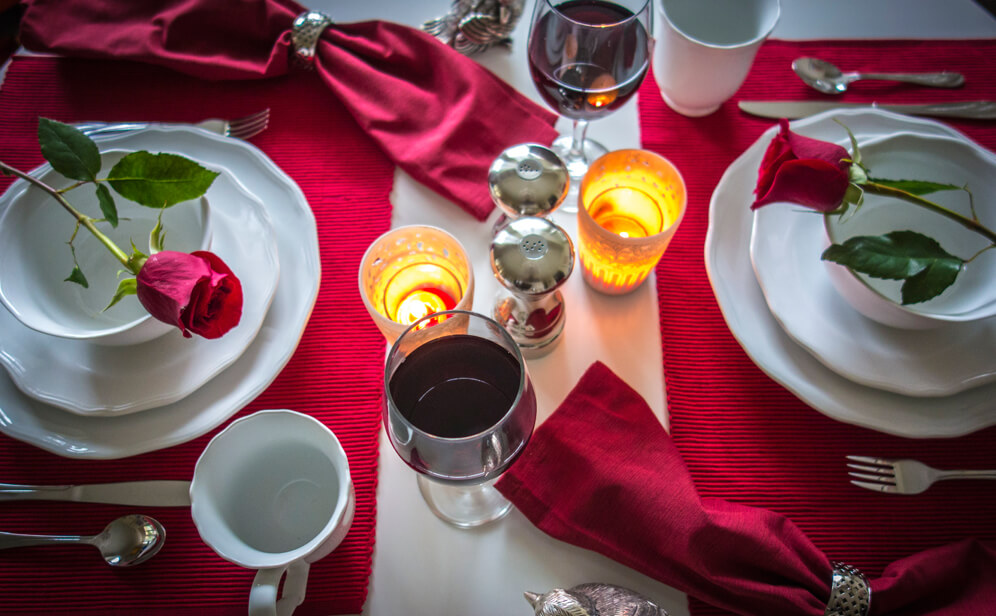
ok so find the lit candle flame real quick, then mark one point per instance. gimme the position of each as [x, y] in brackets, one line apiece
[421, 303]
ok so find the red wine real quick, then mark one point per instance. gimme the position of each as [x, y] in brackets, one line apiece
[456, 386]
[585, 72]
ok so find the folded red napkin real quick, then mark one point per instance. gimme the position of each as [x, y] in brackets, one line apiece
[437, 114]
[631, 498]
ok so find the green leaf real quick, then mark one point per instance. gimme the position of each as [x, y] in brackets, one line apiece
[855, 152]
[916, 187]
[157, 238]
[107, 207]
[926, 268]
[137, 259]
[128, 286]
[854, 195]
[929, 283]
[159, 180]
[78, 277]
[69, 151]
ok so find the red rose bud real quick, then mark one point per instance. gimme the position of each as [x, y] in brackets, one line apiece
[801, 170]
[196, 292]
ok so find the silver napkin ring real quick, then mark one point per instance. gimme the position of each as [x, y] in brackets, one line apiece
[850, 594]
[307, 29]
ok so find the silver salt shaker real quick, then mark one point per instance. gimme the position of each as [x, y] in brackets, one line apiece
[527, 180]
[532, 258]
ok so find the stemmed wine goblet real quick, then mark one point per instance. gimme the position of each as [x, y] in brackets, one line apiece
[458, 408]
[587, 58]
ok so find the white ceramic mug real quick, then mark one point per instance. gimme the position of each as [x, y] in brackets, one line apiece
[705, 49]
[273, 492]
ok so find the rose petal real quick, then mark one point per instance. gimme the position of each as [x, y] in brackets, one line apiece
[196, 292]
[813, 183]
[814, 149]
[220, 309]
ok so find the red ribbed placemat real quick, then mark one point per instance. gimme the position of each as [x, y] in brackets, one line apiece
[334, 375]
[743, 436]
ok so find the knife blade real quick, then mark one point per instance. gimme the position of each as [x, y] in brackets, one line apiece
[977, 110]
[136, 493]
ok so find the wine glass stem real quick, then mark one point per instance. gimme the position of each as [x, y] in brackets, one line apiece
[578, 132]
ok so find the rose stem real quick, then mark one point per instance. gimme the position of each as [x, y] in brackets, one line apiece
[84, 220]
[964, 221]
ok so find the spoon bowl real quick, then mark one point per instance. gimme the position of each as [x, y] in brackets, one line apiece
[130, 540]
[126, 541]
[825, 77]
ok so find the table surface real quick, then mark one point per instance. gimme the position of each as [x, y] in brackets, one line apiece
[423, 566]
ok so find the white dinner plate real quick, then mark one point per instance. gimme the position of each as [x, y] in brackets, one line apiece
[786, 244]
[125, 379]
[727, 258]
[72, 435]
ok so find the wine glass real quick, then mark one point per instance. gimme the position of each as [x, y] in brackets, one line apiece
[458, 408]
[587, 58]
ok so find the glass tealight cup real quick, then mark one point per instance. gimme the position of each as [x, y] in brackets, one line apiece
[631, 203]
[411, 272]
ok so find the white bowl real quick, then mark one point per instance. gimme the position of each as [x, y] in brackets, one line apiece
[940, 159]
[35, 259]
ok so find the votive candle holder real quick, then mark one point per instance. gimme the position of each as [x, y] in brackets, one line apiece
[631, 203]
[411, 272]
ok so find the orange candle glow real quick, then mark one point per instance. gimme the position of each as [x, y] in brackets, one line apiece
[631, 204]
[411, 272]
[421, 303]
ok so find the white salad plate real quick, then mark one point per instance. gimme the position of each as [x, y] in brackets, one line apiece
[727, 258]
[125, 379]
[110, 437]
[787, 241]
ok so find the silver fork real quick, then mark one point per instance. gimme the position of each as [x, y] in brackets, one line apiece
[239, 128]
[904, 476]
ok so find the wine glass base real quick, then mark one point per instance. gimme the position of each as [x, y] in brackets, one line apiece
[464, 506]
[576, 165]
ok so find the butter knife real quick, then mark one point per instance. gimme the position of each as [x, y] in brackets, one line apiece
[134, 493]
[977, 110]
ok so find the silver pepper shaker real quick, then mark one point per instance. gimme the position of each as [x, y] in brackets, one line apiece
[527, 180]
[532, 258]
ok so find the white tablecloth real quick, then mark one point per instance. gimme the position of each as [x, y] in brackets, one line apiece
[424, 567]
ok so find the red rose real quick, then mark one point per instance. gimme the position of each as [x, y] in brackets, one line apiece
[801, 170]
[196, 292]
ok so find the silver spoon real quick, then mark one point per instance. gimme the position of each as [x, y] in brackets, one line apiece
[827, 78]
[128, 540]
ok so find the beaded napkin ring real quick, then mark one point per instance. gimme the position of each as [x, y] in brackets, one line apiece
[850, 594]
[307, 29]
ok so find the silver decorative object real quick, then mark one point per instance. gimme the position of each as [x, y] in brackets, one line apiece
[475, 25]
[593, 600]
[850, 594]
[532, 258]
[305, 32]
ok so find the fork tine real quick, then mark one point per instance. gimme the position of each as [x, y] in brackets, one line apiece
[249, 126]
[889, 479]
[882, 470]
[251, 123]
[261, 114]
[867, 460]
[876, 487]
[247, 130]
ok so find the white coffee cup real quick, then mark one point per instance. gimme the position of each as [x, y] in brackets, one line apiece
[273, 492]
[705, 49]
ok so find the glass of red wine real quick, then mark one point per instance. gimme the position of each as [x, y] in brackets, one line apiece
[458, 408]
[587, 58]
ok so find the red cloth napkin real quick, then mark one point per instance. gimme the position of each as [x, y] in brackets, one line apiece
[437, 114]
[334, 375]
[632, 499]
[743, 436]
